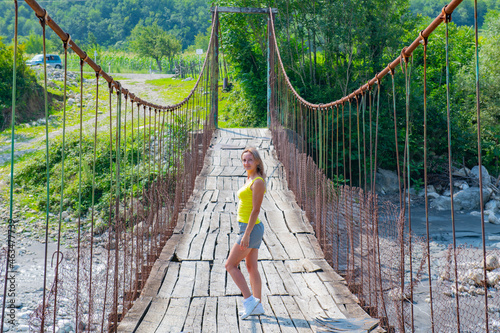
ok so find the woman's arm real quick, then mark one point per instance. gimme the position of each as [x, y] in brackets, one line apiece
[258, 190]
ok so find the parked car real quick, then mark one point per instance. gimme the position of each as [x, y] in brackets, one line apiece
[52, 60]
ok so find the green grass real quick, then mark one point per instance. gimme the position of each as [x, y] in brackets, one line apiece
[173, 90]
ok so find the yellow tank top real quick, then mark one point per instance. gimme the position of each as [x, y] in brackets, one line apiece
[245, 204]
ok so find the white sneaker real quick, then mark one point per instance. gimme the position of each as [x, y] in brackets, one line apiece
[259, 310]
[249, 304]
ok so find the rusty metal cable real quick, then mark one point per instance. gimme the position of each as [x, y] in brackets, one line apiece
[426, 194]
[480, 164]
[42, 19]
[396, 141]
[58, 251]
[447, 19]
[92, 216]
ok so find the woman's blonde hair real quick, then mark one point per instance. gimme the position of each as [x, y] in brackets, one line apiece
[258, 160]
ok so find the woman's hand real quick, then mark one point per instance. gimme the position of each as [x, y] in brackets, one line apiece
[245, 241]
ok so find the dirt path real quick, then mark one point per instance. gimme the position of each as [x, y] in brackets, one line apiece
[135, 83]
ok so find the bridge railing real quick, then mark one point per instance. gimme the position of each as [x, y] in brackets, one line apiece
[370, 242]
[145, 157]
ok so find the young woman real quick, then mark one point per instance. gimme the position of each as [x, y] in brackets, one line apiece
[251, 233]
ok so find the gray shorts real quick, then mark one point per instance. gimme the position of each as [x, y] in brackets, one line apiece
[255, 236]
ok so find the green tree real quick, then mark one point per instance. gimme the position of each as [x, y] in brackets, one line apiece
[152, 41]
[33, 43]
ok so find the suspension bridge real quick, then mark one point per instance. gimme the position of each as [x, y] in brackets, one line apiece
[334, 256]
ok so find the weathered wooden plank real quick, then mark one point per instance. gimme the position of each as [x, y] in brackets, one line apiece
[205, 196]
[275, 247]
[210, 315]
[291, 245]
[181, 221]
[226, 195]
[229, 171]
[311, 309]
[315, 246]
[198, 218]
[194, 318]
[225, 223]
[205, 223]
[286, 277]
[220, 183]
[222, 246]
[331, 308]
[188, 225]
[235, 225]
[154, 316]
[274, 281]
[268, 205]
[355, 311]
[301, 284]
[237, 182]
[265, 284]
[133, 317]
[196, 248]
[185, 282]
[182, 250]
[201, 284]
[215, 196]
[340, 293]
[315, 284]
[295, 223]
[281, 314]
[209, 247]
[216, 172]
[298, 319]
[218, 279]
[211, 183]
[174, 318]
[214, 222]
[226, 314]
[306, 247]
[219, 207]
[269, 322]
[276, 221]
[155, 279]
[264, 253]
[170, 280]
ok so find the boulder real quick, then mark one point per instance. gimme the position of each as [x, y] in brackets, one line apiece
[461, 184]
[433, 195]
[468, 199]
[492, 218]
[441, 203]
[464, 172]
[493, 206]
[492, 262]
[387, 182]
[486, 176]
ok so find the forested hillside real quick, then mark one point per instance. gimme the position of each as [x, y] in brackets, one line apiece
[463, 15]
[110, 22]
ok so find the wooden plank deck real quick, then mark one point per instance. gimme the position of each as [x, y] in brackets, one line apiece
[195, 293]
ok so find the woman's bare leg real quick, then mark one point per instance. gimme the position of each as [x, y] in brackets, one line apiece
[235, 257]
[253, 270]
